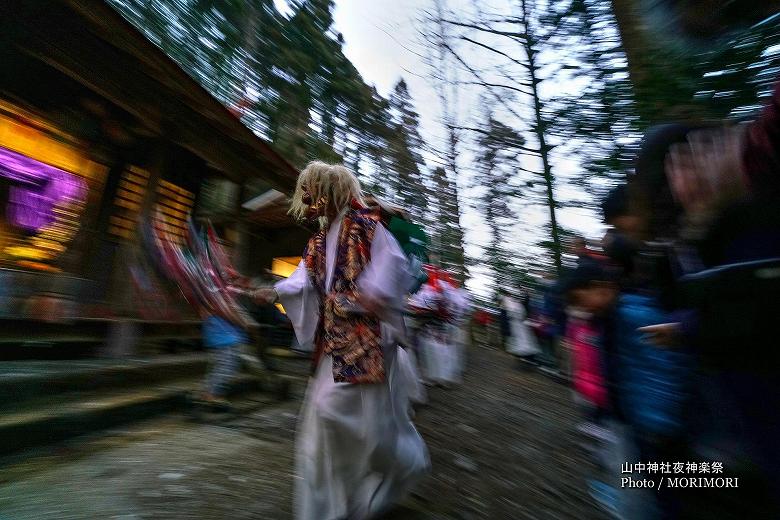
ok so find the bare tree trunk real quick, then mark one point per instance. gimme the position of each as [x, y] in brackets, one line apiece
[526, 38]
[540, 130]
[450, 121]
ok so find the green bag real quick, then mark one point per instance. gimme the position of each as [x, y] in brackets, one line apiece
[414, 243]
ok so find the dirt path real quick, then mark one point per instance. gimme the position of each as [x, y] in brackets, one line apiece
[503, 445]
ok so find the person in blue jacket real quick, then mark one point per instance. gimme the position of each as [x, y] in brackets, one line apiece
[224, 341]
[648, 388]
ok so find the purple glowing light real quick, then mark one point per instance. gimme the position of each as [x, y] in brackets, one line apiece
[39, 188]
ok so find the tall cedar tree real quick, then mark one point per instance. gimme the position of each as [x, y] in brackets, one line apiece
[446, 229]
[499, 147]
[405, 177]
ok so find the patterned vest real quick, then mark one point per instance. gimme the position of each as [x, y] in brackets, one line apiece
[353, 340]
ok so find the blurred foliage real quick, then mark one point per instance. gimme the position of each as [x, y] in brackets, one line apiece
[679, 72]
[734, 75]
[445, 222]
[601, 118]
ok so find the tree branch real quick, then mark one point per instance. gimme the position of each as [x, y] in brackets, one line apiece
[508, 34]
[487, 132]
[491, 49]
[479, 77]
[496, 85]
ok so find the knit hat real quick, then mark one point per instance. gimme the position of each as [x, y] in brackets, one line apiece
[615, 204]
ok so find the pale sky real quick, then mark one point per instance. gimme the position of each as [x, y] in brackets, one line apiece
[382, 42]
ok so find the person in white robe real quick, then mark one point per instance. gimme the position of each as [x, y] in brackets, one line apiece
[357, 450]
[459, 308]
[439, 307]
[522, 342]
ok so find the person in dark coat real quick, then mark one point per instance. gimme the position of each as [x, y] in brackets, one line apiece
[714, 199]
[504, 324]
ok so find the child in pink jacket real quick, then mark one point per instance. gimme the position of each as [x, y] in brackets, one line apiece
[587, 363]
[591, 294]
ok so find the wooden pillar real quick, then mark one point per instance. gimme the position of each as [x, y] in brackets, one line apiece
[99, 248]
[156, 170]
[241, 245]
[123, 289]
[124, 337]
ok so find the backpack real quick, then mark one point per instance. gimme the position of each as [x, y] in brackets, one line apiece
[414, 243]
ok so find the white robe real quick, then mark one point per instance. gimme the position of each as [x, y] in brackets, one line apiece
[409, 368]
[460, 305]
[442, 349]
[522, 342]
[357, 451]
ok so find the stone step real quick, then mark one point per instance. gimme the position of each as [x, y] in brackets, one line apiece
[288, 353]
[79, 413]
[23, 381]
[48, 421]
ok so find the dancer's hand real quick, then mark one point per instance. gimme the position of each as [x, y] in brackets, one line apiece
[263, 295]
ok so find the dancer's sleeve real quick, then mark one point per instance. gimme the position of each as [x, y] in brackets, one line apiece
[426, 299]
[386, 277]
[301, 303]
